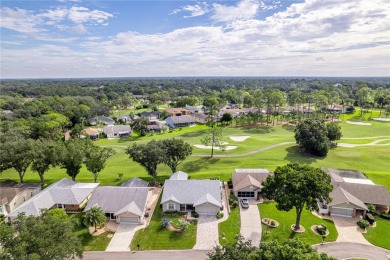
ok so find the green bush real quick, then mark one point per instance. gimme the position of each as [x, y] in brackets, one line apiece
[194, 214]
[321, 229]
[230, 183]
[165, 222]
[363, 223]
[370, 218]
[371, 208]
[183, 224]
[219, 215]
[385, 215]
[232, 199]
[235, 204]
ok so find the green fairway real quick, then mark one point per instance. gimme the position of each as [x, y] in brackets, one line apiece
[380, 234]
[156, 237]
[286, 219]
[230, 228]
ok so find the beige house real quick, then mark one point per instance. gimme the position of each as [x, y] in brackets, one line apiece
[12, 194]
[177, 111]
[247, 182]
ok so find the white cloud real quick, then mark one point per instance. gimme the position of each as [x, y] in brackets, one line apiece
[19, 20]
[245, 9]
[199, 9]
[84, 15]
[79, 29]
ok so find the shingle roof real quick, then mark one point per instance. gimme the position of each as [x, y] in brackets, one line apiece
[207, 198]
[91, 131]
[112, 129]
[369, 194]
[191, 191]
[340, 196]
[179, 175]
[118, 199]
[64, 191]
[247, 181]
[242, 178]
[7, 194]
[132, 208]
[7, 183]
[182, 119]
[135, 182]
[105, 119]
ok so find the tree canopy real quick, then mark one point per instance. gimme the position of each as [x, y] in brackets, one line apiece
[297, 186]
[175, 152]
[214, 137]
[312, 135]
[72, 155]
[333, 131]
[95, 217]
[95, 159]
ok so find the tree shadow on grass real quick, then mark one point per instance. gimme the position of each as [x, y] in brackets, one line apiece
[290, 128]
[194, 134]
[296, 155]
[257, 129]
[292, 235]
[199, 164]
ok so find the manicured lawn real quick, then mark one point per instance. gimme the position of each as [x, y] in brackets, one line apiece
[156, 237]
[230, 228]
[380, 234]
[90, 243]
[286, 219]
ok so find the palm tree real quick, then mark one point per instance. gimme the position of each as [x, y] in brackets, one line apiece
[95, 217]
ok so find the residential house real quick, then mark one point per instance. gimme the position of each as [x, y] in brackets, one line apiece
[117, 131]
[247, 182]
[12, 194]
[124, 118]
[195, 109]
[135, 183]
[200, 118]
[180, 121]
[125, 205]
[177, 111]
[299, 109]
[154, 115]
[352, 191]
[92, 133]
[66, 194]
[181, 194]
[101, 120]
[336, 109]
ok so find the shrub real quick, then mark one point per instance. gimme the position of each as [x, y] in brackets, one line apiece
[165, 222]
[273, 223]
[385, 215]
[230, 183]
[219, 215]
[363, 223]
[194, 214]
[232, 199]
[371, 208]
[235, 204]
[183, 224]
[321, 229]
[370, 218]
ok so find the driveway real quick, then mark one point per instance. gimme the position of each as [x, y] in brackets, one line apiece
[342, 250]
[207, 233]
[250, 223]
[348, 230]
[122, 238]
[148, 255]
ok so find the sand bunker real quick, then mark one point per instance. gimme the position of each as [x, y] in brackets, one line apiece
[381, 119]
[357, 123]
[201, 146]
[239, 138]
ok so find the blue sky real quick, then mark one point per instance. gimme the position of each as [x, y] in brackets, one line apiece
[127, 38]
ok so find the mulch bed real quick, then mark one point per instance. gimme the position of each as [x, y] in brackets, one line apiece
[300, 230]
[314, 229]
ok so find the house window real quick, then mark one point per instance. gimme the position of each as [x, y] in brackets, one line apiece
[171, 206]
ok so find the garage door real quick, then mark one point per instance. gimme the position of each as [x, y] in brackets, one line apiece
[207, 209]
[129, 220]
[245, 194]
[343, 212]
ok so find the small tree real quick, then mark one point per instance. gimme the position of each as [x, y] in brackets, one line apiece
[227, 117]
[95, 217]
[140, 125]
[297, 186]
[312, 135]
[214, 138]
[148, 155]
[333, 131]
[175, 152]
[96, 158]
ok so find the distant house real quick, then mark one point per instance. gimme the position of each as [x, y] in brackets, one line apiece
[336, 109]
[195, 109]
[179, 121]
[247, 182]
[125, 119]
[299, 109]
[181, 194]
[139, 96]
[66, 194]
[135, 183]
[98, 120]
[154, 115]
[12, 194]
[125, 205]
[117, 131]
[352, 191]
[177, 111]
[92, 133]
[200, 118]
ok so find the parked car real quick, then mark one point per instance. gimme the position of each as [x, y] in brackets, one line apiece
[244, 203]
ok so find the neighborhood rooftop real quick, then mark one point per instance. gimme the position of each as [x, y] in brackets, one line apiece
[135, 182]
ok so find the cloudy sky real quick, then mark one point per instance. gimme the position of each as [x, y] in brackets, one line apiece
[128, 38]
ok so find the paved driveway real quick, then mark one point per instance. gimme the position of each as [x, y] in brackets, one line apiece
[342, 250]
[250, 223]
[207, 233]
[122, 238]
[348, 230]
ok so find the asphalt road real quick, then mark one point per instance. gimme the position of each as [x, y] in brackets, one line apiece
[342, 250]
[149, 255]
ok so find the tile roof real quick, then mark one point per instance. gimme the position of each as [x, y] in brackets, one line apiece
[135, 182]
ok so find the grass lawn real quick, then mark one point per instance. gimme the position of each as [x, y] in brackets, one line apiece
[90, 243]
[380, 234]
[230, 228]
[286, 219]
[156, 237]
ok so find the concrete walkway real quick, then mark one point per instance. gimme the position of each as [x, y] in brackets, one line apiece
[342, 250]
[122, 238]
[251, 223]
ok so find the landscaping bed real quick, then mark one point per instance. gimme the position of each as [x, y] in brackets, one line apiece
[270, 222]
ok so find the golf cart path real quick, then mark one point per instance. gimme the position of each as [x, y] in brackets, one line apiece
[374, 143]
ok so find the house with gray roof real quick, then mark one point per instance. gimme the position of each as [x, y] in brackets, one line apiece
[66, 194]
[352, 191]
[180, 121]
[135, 183]
[12, 194]
[181, 194]
[126, 205]
[117, 131]
[247, 182]
[98, 120]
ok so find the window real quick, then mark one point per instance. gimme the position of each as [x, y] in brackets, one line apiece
[171, 206]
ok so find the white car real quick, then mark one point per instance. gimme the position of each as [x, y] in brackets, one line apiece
[244, 203]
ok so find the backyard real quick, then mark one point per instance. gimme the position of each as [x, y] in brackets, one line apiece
[286, 219]
[156, 237]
